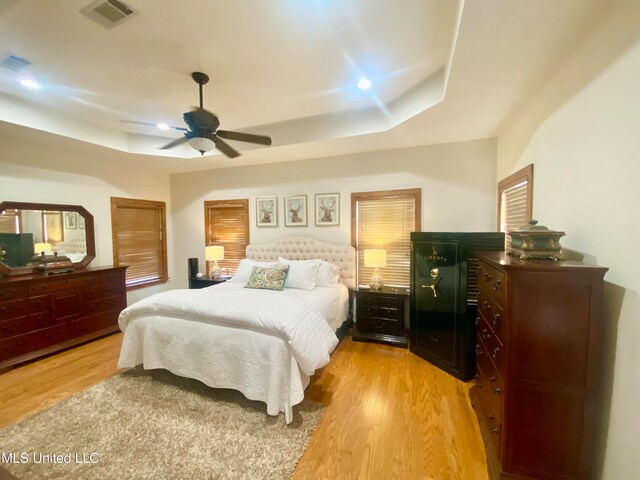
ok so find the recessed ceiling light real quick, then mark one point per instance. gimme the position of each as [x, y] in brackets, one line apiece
[364, 84]
[30, 83]
[162, 126]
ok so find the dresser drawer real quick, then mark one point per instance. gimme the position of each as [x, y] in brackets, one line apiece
[15, 292]
[30, 342]
[103, 290]
[41, 288]
[492, 314]
[491, 282]
[22, 325]
[39, 304]
[113, 277]
[13, 309]
[94, 323]
[104, 304]
[378, 325]
[493, 348]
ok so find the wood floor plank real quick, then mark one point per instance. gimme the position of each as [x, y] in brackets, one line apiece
[389, 414]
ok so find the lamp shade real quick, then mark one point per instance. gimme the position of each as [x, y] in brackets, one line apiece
[202, 144]
[214, 252]
[41, 247]
[375, 258]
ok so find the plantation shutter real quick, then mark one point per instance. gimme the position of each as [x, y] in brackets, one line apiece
[139, 240]
[10, 221]
[227, 225]
[384, 220]
[515, 195]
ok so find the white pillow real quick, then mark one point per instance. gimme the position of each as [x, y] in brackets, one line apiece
[243, 272]
[328, 275]
[302, 273]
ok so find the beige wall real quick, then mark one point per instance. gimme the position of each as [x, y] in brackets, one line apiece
[40, 171]
[581, 131]
[457, 181]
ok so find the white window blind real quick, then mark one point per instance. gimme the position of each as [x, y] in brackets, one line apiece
[139, 240]
[515, 199]
[227, 225]
[384, 220]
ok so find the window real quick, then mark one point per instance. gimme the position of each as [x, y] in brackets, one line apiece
[139, 240]
[515, 198]
[52, 231]
[10, 221]
[383, 220]
[227, 224]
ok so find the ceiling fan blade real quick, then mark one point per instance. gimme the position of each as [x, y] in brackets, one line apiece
[244, 137]
[225, 148]
[174, 143]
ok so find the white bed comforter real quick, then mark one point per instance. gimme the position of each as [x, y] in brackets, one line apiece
[294, 319]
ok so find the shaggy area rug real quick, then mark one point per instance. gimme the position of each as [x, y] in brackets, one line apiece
[156, 425]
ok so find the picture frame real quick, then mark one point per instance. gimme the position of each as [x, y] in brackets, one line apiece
[70, 220]
[266, 211]
[80, 222]
[327, 209]
[295, 211]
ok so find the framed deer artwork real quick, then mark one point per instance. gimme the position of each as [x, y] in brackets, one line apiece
[295, 211]
[267, 211]
[327, 209]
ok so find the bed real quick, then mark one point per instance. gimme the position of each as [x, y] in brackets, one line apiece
[263, 343]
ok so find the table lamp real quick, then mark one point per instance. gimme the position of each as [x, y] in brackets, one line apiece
[375, 258]
[213, 254]
[40, 248]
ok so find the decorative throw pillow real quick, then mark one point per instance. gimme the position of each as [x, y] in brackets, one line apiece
[302, 273]
[268, 278]
[244, 270]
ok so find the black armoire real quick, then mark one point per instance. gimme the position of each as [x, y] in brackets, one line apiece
[444, 292]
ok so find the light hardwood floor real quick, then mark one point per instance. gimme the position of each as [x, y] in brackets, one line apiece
[389, 414]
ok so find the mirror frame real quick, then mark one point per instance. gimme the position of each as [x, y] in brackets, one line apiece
[88, 225]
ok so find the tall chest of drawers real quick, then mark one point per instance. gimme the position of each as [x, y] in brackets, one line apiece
[40, 315]
[537, 349]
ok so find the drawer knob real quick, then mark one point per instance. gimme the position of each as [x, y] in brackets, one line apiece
[496, 319]
[477, 320]
[486, 334]
[495, 352]
[494, 430]
[495, 390]
[486, 305]
[491, 417]
[496, 285]
[487, 276]
[478, 350]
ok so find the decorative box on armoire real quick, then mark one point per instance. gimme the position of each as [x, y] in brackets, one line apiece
[538, 335]
[444, 295]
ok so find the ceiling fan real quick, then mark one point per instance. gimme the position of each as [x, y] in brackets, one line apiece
[203, 134]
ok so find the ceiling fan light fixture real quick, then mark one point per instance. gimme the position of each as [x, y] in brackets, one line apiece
[202, 144]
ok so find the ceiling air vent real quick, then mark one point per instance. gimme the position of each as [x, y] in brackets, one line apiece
[14, 63]
[108, 13]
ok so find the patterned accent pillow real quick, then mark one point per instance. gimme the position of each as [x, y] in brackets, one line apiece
[268, 278]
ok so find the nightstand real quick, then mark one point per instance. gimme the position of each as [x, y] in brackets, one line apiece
[204, 282]
[380, 315]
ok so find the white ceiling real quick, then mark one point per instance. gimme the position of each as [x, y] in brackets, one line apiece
[286, 68]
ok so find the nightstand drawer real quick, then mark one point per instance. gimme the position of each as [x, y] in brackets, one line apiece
[378, 325]
[379, 312]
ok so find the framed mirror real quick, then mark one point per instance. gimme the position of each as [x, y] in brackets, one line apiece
[27, 229]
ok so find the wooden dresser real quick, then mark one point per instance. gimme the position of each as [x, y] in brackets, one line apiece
[537, 356]
[43, 314]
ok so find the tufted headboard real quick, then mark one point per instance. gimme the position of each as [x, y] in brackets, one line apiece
[306, 248]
